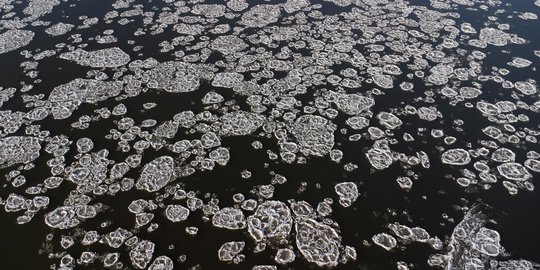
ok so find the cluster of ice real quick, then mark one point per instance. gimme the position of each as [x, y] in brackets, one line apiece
[409, 235]
[348, 193]
[209, 10]
[64, 217]
[227, 79]
[514, 171]
[14, 39]
[229, 218]
[474, 246]
[89, 171]
[230, 251]
[59, 29]
[18, 149]
[456, 156]
[66, 98]
[318, 242]
[110, 57]
[284, 256]
[271, 221]
[315, 135]
[385, 241]
[228, 45]
[173, 77]
[141, 254]
[156, 174]
[176, 213]
[353, 103]
[380, 155]
[240, 123]
[162, 263]
[260, 16]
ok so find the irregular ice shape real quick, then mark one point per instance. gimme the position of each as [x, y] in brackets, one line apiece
[314, 135]
[18, 149]
[456, 156]
[318, 243]
[156, 174]
[14, 38]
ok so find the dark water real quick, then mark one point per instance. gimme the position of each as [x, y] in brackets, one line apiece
[381, 202]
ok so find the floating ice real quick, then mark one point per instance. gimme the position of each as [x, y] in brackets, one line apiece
[503, 155]
[428, 113]
[13, 39]
[404, 182]
[209, 10]
[18, 149]
[173, 77]
[318, 243]
[348, 193]
[229, 218]
[383, 81]
[469, 92]
[315, 136]
[63, 217]
[230, 250]
[260, 15]
[66, 98]
[212, 97]
[526, 88]
[264, 267]
[59, 29]
[532, 164]
[110, 57]
[380, 156]
[353, 103]
[89, 172]
[141, 254]
[162, 263]
[156, 174]
[176, 213]
[494, 36]
[227, 79]
[272, 220]
[228, 45]
[237, 5]
[456, 156]
[14, 203]
[514, 171]
[389, 120]
[240, 123]
[284, 256]
[357, 122]
[385, 241]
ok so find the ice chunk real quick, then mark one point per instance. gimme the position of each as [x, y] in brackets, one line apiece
[13, 39]
[230, 250]
[272, 220]
[156, 174]
[110, 57]
[385, 241]
[348, 193]
[456, 156]
[318, 243]
[176, 213]
[18, 149]
[314, 134]
[229, 218]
